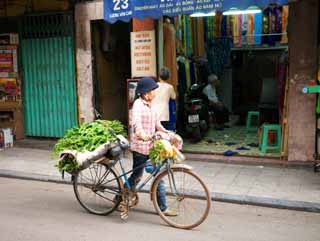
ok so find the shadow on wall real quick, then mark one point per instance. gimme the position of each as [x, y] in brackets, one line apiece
[112, 67]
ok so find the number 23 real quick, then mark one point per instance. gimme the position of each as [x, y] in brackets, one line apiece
[120, 4]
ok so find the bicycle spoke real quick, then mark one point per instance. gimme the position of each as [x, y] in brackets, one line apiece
[95, 192]
[191, 210]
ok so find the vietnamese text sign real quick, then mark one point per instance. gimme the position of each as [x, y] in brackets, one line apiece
[143, 54]
[126, 9]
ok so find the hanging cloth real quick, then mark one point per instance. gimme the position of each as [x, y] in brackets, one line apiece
[210, 28]
[244, 29]
[229, 25]
[224, 28]
[285, 15]
[218, 20]
[179, 34]
[188, 35]
[235, 32]
[250, 29]
[188, 74]
[266, 26]
[169, 45]
[257, 28]
[193, 23]
[200, 33]
[239, 31]
[276, 15]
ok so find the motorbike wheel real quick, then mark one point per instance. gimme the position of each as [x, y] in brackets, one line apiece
[203, 126]
[196, 134]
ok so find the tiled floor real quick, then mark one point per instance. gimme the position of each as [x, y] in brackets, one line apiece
[229, 139]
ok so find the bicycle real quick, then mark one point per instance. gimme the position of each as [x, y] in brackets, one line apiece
[100, 189]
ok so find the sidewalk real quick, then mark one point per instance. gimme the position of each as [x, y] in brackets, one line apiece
[281, 187]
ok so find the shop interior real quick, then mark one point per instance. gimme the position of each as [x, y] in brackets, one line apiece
[112, 65]
[10, 83]
[248, 52]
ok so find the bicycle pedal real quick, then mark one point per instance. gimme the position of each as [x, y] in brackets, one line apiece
[121, 208]
[124, 216]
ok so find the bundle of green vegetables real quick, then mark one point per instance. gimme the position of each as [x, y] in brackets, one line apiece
[86, 137]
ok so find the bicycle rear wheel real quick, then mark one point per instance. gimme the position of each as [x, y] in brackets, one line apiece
[97, 189]
[186, 195]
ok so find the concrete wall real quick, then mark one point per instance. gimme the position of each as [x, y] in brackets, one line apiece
[303, 37]
[84, 14]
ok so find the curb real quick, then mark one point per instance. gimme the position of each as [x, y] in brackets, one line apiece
[219, 197]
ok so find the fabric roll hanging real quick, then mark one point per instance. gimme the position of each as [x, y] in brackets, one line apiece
[285, 15]
[250, 29]
[170, 52]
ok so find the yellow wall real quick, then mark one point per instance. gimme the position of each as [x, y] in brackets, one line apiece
[20, 7]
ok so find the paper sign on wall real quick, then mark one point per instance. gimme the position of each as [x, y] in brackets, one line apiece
[143, 54]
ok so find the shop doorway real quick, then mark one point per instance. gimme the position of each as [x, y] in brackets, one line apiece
[112, 67]
[251, 69]
[250, 84]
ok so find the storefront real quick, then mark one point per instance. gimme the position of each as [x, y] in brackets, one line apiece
[250, 59]
[38, 81]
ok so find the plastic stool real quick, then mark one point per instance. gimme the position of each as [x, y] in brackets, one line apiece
[264, 146]
[250, 116]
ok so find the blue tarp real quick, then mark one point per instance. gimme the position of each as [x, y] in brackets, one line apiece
[124, 10]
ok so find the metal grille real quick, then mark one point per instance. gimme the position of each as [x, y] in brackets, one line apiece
[47, 26]
[49, 90]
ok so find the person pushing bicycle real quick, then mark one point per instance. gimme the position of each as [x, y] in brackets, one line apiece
[145, 124]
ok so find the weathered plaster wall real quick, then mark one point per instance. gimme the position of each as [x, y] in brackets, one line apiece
[84, 14]
[303, 37]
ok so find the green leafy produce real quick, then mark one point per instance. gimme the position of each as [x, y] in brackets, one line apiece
[86, 137]
[67, 164]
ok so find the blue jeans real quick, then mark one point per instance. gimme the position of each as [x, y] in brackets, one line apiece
[138, 160]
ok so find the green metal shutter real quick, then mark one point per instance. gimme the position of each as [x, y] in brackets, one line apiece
[49, 88]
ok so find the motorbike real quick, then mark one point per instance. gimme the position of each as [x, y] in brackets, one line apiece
[196, 114]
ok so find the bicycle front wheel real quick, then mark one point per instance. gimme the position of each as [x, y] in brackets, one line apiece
[187, 198]
[97, 189]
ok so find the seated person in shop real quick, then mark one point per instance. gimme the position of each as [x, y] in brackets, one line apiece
[220, 112]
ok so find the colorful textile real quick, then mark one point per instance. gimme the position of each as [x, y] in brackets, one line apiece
[188, 37]
[239, 32]
[257, 28]
[235, 30]
[244, 29]
[210, 28]
[200, 33]
[224, 28]
[265, 26]
[277, 19]
[169, 47]
[217, 25]
[250, 29]
[285, 15]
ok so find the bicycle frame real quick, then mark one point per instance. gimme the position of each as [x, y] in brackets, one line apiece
[124, 175]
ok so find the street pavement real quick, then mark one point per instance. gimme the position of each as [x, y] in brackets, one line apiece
[295, 188]
[38, 211]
